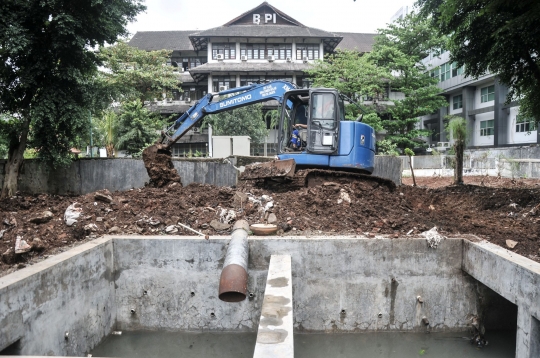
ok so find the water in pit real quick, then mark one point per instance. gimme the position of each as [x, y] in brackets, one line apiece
[501, 344]
[177, 344]
[313, 345]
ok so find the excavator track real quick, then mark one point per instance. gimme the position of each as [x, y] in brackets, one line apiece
[313, 177]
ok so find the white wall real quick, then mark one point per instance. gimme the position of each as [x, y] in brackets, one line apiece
[521, 137]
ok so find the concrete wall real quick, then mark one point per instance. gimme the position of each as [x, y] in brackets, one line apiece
[71, 292]
[88, 175]
[523, 162]
[328, 276]
[517, 279]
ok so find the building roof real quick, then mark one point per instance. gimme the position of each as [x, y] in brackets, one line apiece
[247, 67]
[283, 15]
[162, 40]
[356, 41]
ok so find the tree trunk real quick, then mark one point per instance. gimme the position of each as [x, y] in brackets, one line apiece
[14, 162]
[412, 171]
[458, 172]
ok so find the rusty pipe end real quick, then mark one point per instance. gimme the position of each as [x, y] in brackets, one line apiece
[233, 284]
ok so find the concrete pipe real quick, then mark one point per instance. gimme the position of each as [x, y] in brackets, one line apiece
[233, 281]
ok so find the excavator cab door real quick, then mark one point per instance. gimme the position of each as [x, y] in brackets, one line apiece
[323, 122]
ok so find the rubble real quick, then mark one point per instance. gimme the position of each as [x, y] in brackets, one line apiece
[41, 217]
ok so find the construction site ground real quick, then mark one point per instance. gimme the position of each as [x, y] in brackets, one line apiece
[494, 209]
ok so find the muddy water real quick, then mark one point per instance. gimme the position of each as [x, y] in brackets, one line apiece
[402, 345]
[368, 345]
[183, 344]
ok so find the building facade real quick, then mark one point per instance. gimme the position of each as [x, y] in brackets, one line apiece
[259, 45]
[491, 122]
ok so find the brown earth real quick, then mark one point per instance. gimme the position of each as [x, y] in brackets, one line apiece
[494, 209]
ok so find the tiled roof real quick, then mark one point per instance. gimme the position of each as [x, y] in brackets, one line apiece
[162, 40]
[264, 31]
[356, 41]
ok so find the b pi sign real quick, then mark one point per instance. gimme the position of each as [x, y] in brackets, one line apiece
[267, 18]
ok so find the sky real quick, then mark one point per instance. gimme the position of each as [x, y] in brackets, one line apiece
[363, 16]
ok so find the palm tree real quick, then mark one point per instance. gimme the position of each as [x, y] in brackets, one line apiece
[457, 127]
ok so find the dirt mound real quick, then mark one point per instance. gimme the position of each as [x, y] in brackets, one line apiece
[159, 166]
[366, 208]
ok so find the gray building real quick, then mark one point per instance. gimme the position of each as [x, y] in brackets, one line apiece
[491, 122]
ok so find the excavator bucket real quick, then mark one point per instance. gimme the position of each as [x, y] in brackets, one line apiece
[159, 166]
[270, 170]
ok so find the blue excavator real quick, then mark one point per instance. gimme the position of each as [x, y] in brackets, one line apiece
[314, 139]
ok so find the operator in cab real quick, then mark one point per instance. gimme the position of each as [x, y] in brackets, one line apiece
[300, 125]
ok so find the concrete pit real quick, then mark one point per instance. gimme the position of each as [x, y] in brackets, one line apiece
[67, 304]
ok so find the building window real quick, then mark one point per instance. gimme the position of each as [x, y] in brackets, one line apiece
[456, 70]
[311, 51]
[486, 128]
[262, 51]
[228, 51]
[487, 94]
[303, 82]
[525, 125]
[435, 73]
[220, 83]
[445, 71]
[457, 102]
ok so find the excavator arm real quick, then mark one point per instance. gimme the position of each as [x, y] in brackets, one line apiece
[240, 97]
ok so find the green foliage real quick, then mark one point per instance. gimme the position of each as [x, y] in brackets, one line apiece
[399, 49]
[240, 122]
[386, 147]
[350, 73]
[106, 130]
[133, 73]
[48, 69]
[372, 119]
[409, 152]
[457, 128]
[496, 36]
[136, 127]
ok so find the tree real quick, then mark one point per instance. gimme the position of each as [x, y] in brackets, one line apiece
[410, 154]
[240, 121]
[107, 127]
[137, 127]
[399, 49]
[457, 127]
[132, 73]
[496, 36]
[350, 73]
[47, 69]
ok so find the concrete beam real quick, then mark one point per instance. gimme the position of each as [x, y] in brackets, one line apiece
[275, 334]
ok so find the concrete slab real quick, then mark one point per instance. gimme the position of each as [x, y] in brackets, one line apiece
[275, 334]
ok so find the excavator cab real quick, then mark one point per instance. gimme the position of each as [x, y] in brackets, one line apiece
[310, 121]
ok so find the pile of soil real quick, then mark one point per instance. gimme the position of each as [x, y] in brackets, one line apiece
[494, 209]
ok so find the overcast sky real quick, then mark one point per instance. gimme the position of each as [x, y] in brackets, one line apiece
[364, 16]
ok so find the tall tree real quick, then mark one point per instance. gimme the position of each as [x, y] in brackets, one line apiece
[46, 51]
[399, 49]
[132, 73]
[137, 127]
[497, 36]
[351, 73]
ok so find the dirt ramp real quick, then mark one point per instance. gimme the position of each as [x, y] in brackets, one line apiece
[159, 166]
